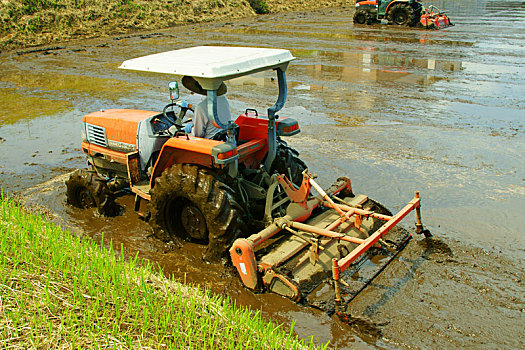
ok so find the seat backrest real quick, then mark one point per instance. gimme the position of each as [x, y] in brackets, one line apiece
[223, 134]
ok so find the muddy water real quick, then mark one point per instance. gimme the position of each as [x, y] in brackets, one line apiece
[396, 109]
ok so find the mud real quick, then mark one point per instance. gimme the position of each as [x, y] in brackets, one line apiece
[396, 109]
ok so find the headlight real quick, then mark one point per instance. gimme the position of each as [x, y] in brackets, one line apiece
[83, 132]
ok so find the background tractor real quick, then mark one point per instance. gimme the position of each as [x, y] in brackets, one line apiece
[219, 191]
[400, 12]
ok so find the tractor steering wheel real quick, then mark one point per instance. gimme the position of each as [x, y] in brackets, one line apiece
[178, 121]
[184, 106]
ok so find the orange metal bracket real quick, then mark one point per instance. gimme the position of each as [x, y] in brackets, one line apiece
[299, 195]
[243, 259]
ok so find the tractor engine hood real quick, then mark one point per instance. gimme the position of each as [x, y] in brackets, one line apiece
[114, 126]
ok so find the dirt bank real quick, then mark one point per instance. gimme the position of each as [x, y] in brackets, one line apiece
[39, 22]
[275, 6]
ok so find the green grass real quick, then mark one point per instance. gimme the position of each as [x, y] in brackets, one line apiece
[63, 291]
[259, 6]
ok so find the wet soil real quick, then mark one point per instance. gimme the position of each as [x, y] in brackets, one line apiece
[396, 109]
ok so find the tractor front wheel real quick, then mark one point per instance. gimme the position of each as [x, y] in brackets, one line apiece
[86, 189]
[191, 203]
[362, 17]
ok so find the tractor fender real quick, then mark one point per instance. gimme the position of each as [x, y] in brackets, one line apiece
[372, 9]
[193, 150]
[366, 3]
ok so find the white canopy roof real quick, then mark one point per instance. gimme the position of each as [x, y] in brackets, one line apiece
[211, 65]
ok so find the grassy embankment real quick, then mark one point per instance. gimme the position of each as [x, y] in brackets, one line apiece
[39, 22]
[57, 290]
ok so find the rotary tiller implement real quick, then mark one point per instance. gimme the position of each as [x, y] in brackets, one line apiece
[434, 18]
[312, 254]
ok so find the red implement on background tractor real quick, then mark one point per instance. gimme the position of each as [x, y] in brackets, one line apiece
[400, 12]
[247, 179]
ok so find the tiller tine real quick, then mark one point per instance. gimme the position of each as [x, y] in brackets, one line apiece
[322, 252]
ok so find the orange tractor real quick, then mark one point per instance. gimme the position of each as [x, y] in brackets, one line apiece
[400, 12]
[247, 179]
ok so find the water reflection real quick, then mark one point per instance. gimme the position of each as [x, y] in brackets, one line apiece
[477, 7]
[262, 80]
[470, 7]
[358, 67]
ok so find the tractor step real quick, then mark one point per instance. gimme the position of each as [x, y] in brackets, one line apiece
[137, 185]
[142, 189]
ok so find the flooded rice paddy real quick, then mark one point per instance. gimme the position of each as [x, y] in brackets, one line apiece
[396, 109]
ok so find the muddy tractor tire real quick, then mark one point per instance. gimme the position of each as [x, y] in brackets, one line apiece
[287, 162]
[362, 16]
[86, 189]
[416, 14]
[402, 15]
[191, 203]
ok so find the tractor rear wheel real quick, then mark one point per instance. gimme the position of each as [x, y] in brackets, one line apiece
[191, 203]
[287, 162]
[401, 14]
[86, 189]
[416, 14]
[362, 16]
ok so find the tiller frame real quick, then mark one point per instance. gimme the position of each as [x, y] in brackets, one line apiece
[259, 275]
